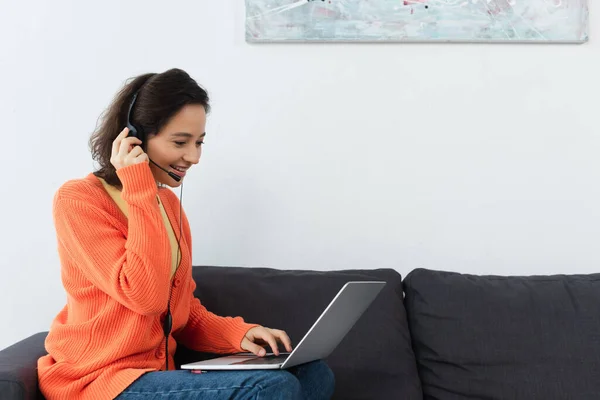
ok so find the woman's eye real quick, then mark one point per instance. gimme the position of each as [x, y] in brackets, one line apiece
[180, 144]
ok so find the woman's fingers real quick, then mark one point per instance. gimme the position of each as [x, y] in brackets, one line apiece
[125, 152]
[268, 337]
[252, 347]
[259, 335]
[117, 141]
[283, 338]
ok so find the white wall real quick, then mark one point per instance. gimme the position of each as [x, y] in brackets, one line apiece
[475, 158]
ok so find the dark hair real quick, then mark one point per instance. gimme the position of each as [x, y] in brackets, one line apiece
[160, 97]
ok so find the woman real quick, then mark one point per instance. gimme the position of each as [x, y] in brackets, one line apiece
[125, 250]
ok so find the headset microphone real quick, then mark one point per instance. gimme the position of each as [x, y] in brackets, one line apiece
[172, 174]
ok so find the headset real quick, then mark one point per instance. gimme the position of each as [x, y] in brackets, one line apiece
[139, 133]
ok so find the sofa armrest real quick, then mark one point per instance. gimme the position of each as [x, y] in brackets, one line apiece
[18, 368]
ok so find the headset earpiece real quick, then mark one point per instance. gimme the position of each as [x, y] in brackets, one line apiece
[133, 130]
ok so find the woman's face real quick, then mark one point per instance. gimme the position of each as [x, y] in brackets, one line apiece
[178, 145]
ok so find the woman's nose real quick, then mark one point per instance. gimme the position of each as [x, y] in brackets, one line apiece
[193, 156]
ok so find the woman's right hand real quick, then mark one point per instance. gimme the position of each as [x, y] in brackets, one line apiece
[127, 151]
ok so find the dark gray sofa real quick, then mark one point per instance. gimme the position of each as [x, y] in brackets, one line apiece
[433, 335]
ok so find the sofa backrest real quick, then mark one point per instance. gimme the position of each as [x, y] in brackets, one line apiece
[375, 359]
[493, 337]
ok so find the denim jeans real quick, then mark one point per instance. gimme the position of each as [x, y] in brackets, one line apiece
[311, 381]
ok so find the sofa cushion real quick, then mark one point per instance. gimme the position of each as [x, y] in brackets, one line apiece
[493, 337]
[374, 360]
[18, 368]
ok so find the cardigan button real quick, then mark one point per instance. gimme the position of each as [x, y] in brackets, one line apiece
[176, 282]
[160, 353]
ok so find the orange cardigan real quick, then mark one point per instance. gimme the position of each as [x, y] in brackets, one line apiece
[116, 273]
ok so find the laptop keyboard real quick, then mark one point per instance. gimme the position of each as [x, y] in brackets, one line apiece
[264, 360]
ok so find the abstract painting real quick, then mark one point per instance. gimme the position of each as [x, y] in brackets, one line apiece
[534, 21]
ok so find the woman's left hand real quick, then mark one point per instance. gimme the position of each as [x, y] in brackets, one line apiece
[259, 335]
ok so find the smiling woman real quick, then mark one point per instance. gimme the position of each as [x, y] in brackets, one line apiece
[128, 272]
[179, 145]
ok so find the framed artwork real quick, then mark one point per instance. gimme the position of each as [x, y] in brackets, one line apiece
[537, 21]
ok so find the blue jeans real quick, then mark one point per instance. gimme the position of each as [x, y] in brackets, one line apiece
[311, 381]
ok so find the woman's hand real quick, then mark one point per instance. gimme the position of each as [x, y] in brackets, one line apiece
[259, 335]
[126, 151]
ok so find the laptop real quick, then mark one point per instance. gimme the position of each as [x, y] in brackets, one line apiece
[320, 340]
